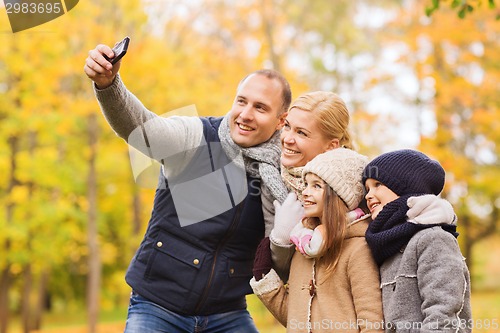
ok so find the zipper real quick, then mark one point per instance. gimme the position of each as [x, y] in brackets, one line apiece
[229, 233]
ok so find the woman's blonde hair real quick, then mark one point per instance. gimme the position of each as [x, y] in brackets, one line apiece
[330, 112]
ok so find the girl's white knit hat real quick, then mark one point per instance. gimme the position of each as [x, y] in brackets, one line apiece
[342, 169]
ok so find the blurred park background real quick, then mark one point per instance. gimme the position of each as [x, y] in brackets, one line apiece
[72, 213]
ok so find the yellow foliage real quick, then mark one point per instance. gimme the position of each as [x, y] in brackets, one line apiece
[44, 90]
[19, 194]
[109, 252]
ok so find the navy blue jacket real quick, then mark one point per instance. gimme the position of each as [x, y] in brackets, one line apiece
[204, 267]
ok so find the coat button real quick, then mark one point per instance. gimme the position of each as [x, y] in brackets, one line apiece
[196, 261]
[159, 244]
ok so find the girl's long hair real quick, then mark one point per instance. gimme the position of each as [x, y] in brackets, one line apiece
[334, 219]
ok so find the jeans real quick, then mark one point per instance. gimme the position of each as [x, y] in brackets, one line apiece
[145, 316]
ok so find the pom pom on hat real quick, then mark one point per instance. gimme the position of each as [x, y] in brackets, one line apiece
[407, 171]
[341, 169]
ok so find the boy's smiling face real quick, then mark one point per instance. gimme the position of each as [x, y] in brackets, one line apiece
[377, 196]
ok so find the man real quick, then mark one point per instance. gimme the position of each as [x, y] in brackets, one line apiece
[218, 181]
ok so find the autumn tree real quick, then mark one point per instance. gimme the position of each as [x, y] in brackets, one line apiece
[463, 7]
[73, 214]
[66, 182]
[45, 110]
[456, 107]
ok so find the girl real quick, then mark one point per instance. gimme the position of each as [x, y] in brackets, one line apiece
[335, 286]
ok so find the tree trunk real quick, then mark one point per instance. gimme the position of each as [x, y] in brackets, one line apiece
[136, 218]
[136, 203]
[42, 303]
[94, 277]
[468, 247]
[26, 298]
[5, 280]
[26, 306]
[468, 243]
[268, 19]
[5, 277]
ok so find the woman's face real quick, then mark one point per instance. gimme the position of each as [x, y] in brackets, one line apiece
[302, 140]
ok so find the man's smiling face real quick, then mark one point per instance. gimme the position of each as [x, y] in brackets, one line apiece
[255, 114]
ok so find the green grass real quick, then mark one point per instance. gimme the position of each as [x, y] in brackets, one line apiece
[73, 320]
[485, 309]
[264, 321]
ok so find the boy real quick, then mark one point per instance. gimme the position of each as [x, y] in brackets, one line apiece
[424, 279]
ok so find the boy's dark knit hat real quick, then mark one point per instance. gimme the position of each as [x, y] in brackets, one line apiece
[406, 171]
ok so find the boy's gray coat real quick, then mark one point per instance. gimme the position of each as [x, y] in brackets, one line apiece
[426, 287]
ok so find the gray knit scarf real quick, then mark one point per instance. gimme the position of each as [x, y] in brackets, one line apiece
[261, 161]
